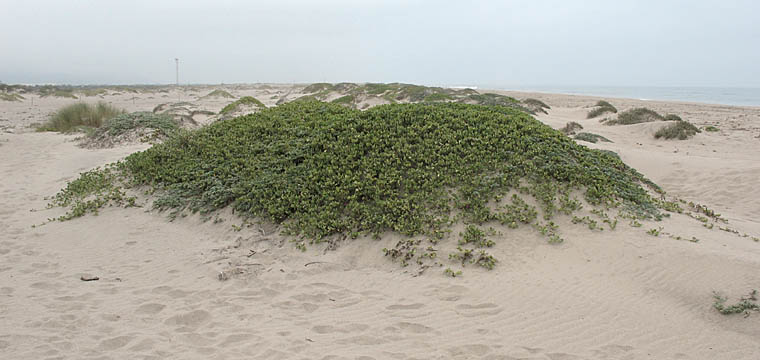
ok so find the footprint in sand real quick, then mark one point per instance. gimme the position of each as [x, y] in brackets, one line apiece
[414, 328]
[150, 309]
[484, 309]
[115, 343]
[350, 328]
[405, 307]
[191, 319]
[469, 350]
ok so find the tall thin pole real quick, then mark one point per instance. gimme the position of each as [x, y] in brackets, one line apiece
[176, 61]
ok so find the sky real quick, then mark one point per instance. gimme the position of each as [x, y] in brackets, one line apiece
[497, 43]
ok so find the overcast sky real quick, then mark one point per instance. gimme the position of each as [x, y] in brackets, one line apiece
[531, 42]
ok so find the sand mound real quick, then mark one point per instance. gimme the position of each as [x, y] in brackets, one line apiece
[132, 128]
[186, 114]
[327, 172]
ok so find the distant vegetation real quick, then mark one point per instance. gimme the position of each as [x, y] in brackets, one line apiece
[218, 93]
[438, 97]
[346, 100]
[245, 100]
[60, 93]
[10, 97]
[94, 92]
[81, 116]
[635, 116]
[601, 107]
[680, 130]
[672, 117]
[396, 92]
[536, 105]
[317, 87]
[571, 127]
[589, 137]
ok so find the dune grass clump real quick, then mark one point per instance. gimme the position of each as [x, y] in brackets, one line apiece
[89, 92]
[60, 93]
[672, 117]
[710, 128]
[589, 137]
[680, 130]
[434, 97]
[218, 93]
[536, 105]
[600, 108]
[635, 116]
[498, 100]
[245, 100]
[81, 116]
[345, 100]
[571, 127]
[325, 170]
[317, 87]
[10, 97]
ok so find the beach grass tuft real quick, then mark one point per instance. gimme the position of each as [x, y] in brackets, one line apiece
[680, 130]
[81, 116]
[635, 116]
[601, 107]
[245, 100]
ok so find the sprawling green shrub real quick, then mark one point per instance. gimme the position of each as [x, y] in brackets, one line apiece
[325, 169]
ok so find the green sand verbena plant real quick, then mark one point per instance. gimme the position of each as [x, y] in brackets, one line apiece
[324, 169]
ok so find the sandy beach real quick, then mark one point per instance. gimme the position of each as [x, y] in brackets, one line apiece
[188, 289]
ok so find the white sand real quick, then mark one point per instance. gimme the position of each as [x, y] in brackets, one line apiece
[609, 295]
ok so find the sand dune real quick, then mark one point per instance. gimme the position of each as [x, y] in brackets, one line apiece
[618, 294]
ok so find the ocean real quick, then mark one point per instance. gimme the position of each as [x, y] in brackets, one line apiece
[742, 96]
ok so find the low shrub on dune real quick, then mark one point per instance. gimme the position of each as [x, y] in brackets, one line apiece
[140, 126]
[218, 93]
[600, 108]
[324, 170]
[635, 116]
[571, 127]
[243, 101]
[680, 130]
[590, 137]
[536, 105]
